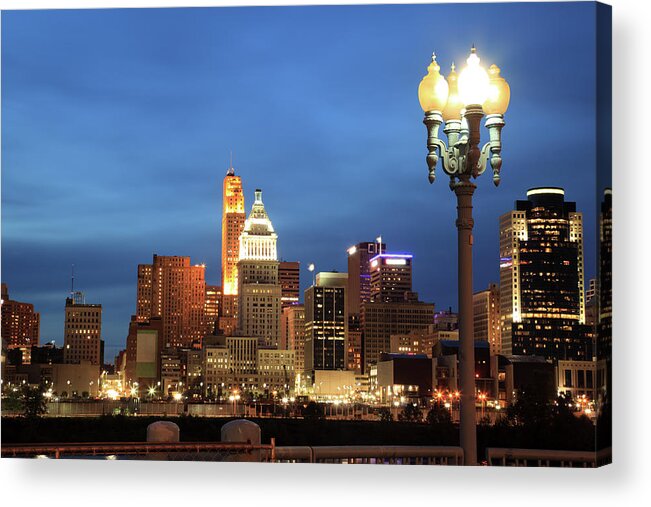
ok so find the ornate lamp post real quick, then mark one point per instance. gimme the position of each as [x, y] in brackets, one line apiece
[461, 102]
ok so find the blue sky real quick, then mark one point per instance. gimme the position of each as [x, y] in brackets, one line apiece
[117, 127]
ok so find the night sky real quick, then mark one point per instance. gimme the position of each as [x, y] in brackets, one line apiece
[117, 127]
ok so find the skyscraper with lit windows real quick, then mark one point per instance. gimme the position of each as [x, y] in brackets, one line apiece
[259, 290]
[173, 289]
[82, 331]
[20, 323]
[326, 323]
[233, 217]
[542, 299]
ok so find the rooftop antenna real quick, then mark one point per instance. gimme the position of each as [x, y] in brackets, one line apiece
[72, 281]
[231, 170]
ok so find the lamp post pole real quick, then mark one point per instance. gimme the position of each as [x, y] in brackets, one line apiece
[464, 190]
[461, 102]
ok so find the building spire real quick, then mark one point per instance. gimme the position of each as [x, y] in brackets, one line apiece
[231, 169]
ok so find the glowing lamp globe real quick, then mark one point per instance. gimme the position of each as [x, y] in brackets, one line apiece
[433, 89]
[499, 92]
[473, 81]
[454, 105]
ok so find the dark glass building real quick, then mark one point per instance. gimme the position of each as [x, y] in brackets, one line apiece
[605, 321]
[542, 299]
[326, 325]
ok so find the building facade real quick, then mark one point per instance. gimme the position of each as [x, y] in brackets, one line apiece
[381, 320]
[259, 290]
[605, 319]
[486, 312]
[359, 277]
[242, 364]
[293, 334]
[142, 358]
[20, 323]
[390, 277]
[542, 310]
[290, 285]
[82, 332]
[326, 323]
[174, 290]
[211, 310]
[233, 217]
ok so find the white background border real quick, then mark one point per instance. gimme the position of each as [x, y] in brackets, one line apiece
[627, 481]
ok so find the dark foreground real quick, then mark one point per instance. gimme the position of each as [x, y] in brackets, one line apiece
[290, 432]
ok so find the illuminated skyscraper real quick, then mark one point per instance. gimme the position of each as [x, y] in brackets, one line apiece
[20, 324]
[173, 289]
[326, 323]
[542, 299]
[82, 331]
[259, 290]
[390, 277]
[233, 217]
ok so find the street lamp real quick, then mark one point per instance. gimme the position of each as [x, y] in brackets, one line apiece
[461, 102]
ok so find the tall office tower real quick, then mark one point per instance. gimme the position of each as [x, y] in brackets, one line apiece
[211, 310]
[326, 323]
[293, 334]
[605, 325]
[233, 217]
[20, 323]
[359, 277]
[542, 306]
[82, 331]
[173, 289]
[289, 277]
[259, 290]
[390, 277]
[486, 310]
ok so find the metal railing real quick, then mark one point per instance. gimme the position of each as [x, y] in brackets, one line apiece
[371, 454]
[353, 454]
[176, 451]
[547, 458]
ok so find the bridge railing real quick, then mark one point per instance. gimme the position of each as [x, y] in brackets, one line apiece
[371, 454]
[173, 451]
[547, 458]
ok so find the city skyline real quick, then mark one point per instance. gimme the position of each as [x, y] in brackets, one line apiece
[75, 221]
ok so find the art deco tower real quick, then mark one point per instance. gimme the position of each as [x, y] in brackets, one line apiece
[233, 217]
[259, 290]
